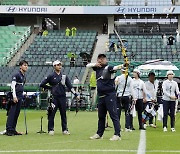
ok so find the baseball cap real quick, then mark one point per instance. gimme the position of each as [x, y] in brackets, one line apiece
[169, 72]
[137, 71]
[56, 62]
[101, 55]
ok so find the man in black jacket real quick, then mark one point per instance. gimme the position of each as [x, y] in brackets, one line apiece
[17, 86]
[57, 82]
[105, 76]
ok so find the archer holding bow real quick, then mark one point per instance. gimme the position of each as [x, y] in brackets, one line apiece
[105, 76]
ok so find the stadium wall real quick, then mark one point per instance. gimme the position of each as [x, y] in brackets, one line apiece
[83, 22]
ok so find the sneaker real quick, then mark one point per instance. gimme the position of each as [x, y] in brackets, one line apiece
[17, 133]
[51, 132]
[66, 132]
[145, 126]
[3, 132]
[9, 133]
[128, 130]
[152, 125]
[115, 138]
[173, 130]
[142, 128]
[133, 128]
[165, 129]
[96, 136]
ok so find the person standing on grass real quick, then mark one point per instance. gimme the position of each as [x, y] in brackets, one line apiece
[151, 87]
[170, 93]
[139, 92]
[17, 86]
[124, 98]
[105, 76]
[57, 82]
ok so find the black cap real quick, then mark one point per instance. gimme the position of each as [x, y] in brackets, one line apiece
[101, 55]
[151, 73]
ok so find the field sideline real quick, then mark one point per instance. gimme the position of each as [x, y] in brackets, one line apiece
[82, 126]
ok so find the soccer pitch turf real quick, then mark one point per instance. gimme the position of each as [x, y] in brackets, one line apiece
[82, 126]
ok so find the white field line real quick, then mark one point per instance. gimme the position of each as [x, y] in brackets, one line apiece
[86, 150]
[67, 150]
[142, 143]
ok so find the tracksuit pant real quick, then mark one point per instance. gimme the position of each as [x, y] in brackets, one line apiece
[126, 102]
[108, 103]
[60, 103]
[139, 109]
[169, 106]
[13, 114]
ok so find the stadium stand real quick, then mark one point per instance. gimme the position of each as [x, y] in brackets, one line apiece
[74, 2]
[145, 47]
[14, 2]
[35, 74]
[146, 2]
[12, 38]
[45, 49]
[57, 46]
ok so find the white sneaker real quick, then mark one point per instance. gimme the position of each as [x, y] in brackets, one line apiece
[128, 130]
[3, 132]
[115, 138]
[165, 129]
[173, 130]
[96, 136]
[152, 125]
[66, 132]
[51, 132]
[145, 126]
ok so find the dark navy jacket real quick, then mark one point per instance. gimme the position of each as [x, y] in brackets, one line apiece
[20, 80]
[55, 85]
[105, 79]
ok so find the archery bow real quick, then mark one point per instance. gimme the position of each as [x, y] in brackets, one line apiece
[126, 61]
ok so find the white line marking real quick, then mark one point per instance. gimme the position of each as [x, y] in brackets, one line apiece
[67, 150]
[164, 151]
[142, 143]
[86, 150]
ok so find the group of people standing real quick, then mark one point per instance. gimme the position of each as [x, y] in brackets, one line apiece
[71, 32]
[171, 39]
[112, 93]
[56, 83]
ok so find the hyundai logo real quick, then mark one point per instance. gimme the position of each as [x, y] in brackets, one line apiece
[11, 9]
[120, 9]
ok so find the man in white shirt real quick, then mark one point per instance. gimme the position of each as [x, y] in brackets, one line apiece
[75, 83]
[139, 92]
[151, 87]
[124, 98]
[170, 93]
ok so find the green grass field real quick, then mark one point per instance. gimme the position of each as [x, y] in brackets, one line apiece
[82, 126]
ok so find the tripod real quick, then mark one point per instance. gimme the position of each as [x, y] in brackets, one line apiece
[41, 131]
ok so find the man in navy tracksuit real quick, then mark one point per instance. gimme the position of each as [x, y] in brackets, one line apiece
[105, 76]
[57, 82]
[17, 86]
